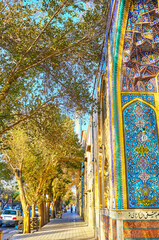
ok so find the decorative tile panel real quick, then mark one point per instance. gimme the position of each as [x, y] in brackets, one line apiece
[142, 156]
[146, 97]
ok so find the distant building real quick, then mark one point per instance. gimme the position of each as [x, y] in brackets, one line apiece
[78, 122]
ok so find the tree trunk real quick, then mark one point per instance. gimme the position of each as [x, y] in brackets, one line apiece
[26, 221]
[41, 214]
[52, 209]
[25, 206]
[33, 210]
[45, 214]
[48, 203]
[47, 211]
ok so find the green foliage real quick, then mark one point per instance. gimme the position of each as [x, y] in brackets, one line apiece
[49, 54]
[45, 150]
[49, 50]
[15, 196]
[6, 172]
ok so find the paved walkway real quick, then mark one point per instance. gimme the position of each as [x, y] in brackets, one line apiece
[70, 227]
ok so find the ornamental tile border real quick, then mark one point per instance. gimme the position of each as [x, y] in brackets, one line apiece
[132, 214]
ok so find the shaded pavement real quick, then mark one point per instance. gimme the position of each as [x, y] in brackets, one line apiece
[71, 227]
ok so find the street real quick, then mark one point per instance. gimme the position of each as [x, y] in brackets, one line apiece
[70, 227]
[7, 232]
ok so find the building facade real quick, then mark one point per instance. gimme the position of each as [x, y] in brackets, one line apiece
[121, 167]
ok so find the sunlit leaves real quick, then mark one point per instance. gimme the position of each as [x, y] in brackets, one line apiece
[38, 64]
[43, 149]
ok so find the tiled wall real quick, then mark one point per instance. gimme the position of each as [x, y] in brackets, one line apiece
[110, 228]
[114, 229]
[106, 226]
[143, 230]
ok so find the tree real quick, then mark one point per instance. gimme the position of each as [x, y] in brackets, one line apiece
[51, 49]
[37, 152]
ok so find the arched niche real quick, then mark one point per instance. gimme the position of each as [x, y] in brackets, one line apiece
[140, 60]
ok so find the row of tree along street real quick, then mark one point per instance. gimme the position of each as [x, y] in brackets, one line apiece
[45, 157]
[49, 54]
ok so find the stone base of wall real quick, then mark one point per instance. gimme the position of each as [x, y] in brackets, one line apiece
[145, 229]
[130, 224]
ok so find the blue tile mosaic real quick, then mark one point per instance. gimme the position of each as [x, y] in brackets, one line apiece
[146, 97]
[142, 155]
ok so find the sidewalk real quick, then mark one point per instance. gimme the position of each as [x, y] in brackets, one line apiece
[70, 227]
